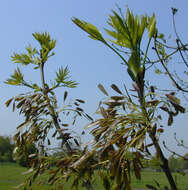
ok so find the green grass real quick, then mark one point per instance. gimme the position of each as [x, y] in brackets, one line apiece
[11, 176]
[148, 178]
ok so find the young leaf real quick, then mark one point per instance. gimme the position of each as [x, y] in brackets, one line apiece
[114, 87]
[89, 117]
[16, 78]
[152, 26]
[90, 29]
[45, 40]
[7, 103]
[65, 95]
[101, 87]
[170, 120]
[81, 101]
[22, 58]
[62, 78]
[173, 99]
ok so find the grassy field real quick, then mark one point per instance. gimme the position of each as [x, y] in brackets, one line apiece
[11, 176]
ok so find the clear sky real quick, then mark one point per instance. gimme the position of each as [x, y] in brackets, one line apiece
[90, 62]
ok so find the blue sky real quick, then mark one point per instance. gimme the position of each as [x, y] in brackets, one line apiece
[90, 62]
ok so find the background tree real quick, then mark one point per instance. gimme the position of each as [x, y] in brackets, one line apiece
[6, 149]
[178, 164]
[24, 160]
[173, 163]
[183, 162]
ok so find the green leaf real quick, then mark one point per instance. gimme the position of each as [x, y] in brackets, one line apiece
[26, 58]
[16, 78]
[157, 71]
[62, 78]
[90, 29]
[31, 51]
[37, 61]
[22, 58]
[152, 26]
[134, 64]
[127, 32]
[121, 33]
[36, 87]
[45, 40]
[142, 27]
[162, 37]
[47, 44]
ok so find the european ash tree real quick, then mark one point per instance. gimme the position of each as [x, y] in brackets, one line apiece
[126, 120]
[44, 119]
[129, 118]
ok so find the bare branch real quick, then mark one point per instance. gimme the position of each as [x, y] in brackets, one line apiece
[174, 153]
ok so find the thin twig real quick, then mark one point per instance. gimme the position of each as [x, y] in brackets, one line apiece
[179, 143]
[181, 54]
[128, 93]
[174, 153]
[174, 26]
[166, 69]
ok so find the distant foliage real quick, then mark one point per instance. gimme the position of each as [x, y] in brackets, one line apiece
[24, 159]
[6, 149]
